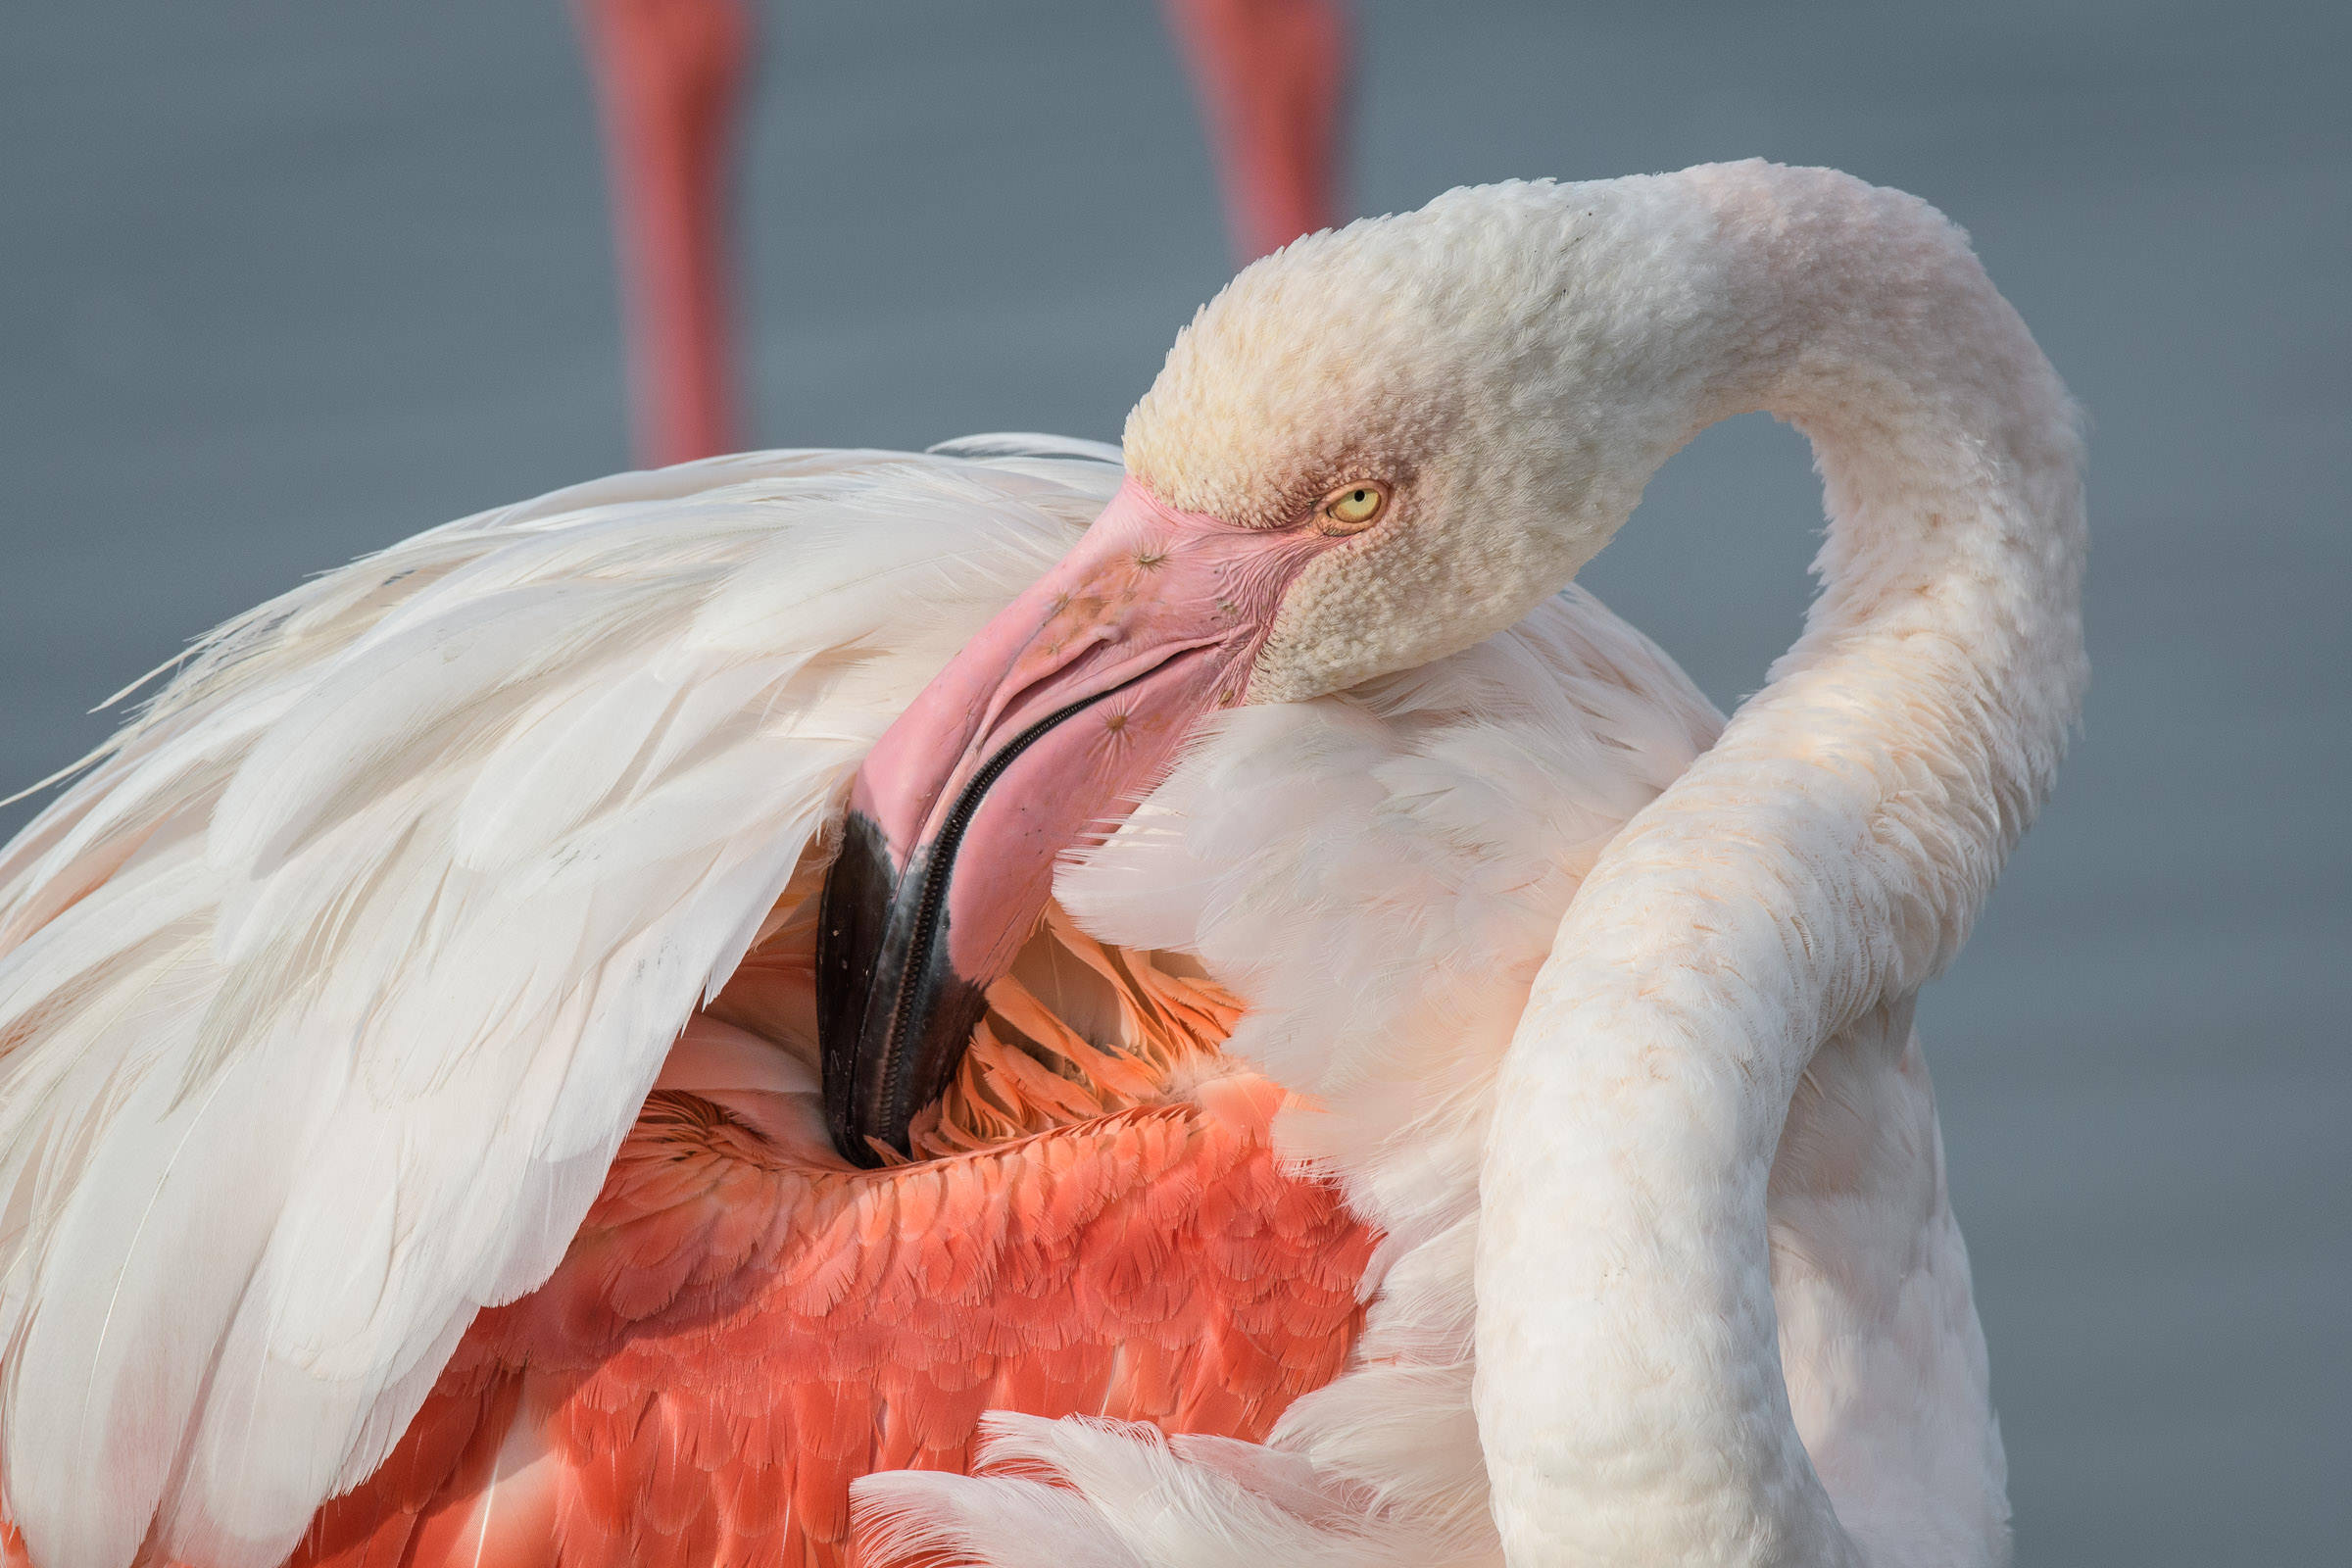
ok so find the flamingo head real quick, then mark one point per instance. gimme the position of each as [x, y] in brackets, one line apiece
[1374, 447]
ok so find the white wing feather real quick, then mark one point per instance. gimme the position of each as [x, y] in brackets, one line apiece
[328, 990]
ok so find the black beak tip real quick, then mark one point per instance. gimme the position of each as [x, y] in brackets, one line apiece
[852, 922]
[893, 1018]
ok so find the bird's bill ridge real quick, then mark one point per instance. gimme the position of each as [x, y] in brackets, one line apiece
[1038, 737]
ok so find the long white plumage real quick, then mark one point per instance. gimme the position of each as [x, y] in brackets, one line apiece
[351, 959]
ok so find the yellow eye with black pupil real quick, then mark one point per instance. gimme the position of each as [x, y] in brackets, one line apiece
[1352, 507]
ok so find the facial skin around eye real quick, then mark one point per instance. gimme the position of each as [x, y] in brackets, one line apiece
[1351, 508]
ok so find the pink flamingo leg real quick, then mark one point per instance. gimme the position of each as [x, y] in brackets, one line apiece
[1272, 75]
[668, 76]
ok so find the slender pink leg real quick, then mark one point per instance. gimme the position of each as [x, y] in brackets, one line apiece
[1273, 76]
[668, 76]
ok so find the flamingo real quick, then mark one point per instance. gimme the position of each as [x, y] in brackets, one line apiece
[1199, 1002]
[669, 85]
[1272, 80]
[669, 75]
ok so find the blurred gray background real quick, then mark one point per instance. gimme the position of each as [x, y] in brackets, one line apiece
[283, 282]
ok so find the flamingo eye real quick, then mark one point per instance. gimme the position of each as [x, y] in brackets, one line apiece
[1351, 508]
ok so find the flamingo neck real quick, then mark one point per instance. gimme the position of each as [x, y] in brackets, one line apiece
[1824, 859]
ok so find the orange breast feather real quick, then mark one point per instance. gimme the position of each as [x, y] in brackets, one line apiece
[744, 1324]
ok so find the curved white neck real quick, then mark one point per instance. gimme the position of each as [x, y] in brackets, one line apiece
[1827, 855]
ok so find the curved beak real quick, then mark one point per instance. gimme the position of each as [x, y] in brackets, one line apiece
[1037, 737]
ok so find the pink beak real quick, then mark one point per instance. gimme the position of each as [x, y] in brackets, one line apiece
[1037, 737]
